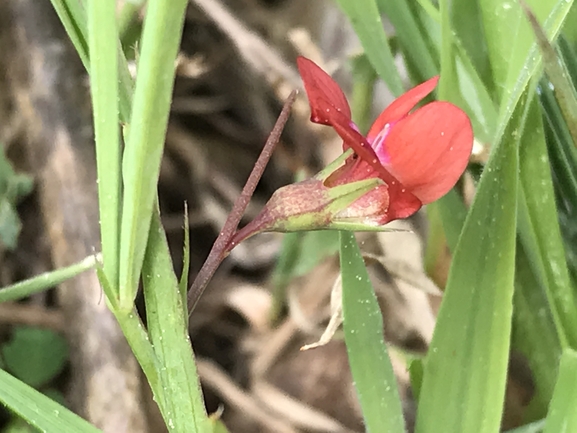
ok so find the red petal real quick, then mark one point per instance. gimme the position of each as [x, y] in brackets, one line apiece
[401, 106]
[329, 106]
[429, 150]
[323, 92]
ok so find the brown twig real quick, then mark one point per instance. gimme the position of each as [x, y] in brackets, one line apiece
[32, 315]
[221, 245]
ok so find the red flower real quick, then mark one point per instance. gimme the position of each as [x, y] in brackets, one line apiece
[407, 159]
[418, 155]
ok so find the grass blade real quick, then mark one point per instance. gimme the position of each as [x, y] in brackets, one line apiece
[363, 325]
[534, 334]
[365, 18]
[180, 396]
[558, 74]
[562, 417]
[47, 280]
[102, 35]
[147, 129]
[73, 18]
[38, 409]
[539, 228]
[467, 361]
[411, 38]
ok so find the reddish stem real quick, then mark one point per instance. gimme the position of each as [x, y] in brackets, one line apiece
[219, 250]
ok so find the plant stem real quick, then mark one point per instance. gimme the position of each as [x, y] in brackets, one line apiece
[221, 246]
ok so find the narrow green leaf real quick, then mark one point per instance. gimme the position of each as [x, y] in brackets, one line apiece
[180, 395]
[102, 35]
[453, 214]
[218, 426]
[562, 152]
[534, 427]
[534, 334]
[412, 40]
[476, 98]
[562, 416]
[39, 410]
[504, 21]
[466, 366]
[73, 17]
[559, 76]
[469, 33]
[563, 157]
[141, 165]
[47, 280]
[363, 325]
[183, 282]
[526, 61]
[135, 333]
[128, 19]
[365, 19]
[539, 228]
[284, 271]
[364, 78]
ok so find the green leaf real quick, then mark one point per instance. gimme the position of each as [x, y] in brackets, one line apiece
[218, 426]
[102, 35]
[412, 39]
[73, 17]
[559, 76]
[35, 355]
[534, 334]
[453, 213]
[47, 280]
[563, 157]
[363, 325]
[504, 21]
[183, 282]
[364, 78]
[526, 60]
[365, 19]
[562, 416]
[466, 365]
[539, 228]
[468, 32]
[180, 396]
[141, 164]
[39, 410]
[534, 427]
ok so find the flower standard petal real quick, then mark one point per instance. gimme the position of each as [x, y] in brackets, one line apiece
[401, 106]
[428, 150]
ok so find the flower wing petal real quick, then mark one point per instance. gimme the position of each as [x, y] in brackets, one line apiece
[401, 106]
[323, 92]
[429, 149]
